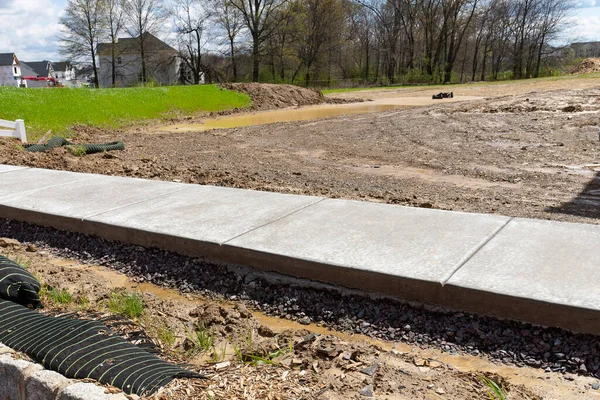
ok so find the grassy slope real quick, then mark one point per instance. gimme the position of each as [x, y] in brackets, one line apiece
[59, 109]
[445, 87]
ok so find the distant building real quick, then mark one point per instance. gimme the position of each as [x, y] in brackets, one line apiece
[27, 78]
[85, 75]
[10, 70]
[43, 70]
[586, 49]
[54, 73]
[64, 73]
[162, 62]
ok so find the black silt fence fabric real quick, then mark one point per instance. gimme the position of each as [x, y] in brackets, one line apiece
[59, 141]
[82, 349]
[18, 285]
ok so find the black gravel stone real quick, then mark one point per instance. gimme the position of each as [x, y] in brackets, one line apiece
[509, 342]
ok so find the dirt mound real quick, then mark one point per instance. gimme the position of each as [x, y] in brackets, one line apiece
[587, 66]
[267, 96]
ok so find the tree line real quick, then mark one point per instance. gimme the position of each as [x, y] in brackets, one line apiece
[324, 42]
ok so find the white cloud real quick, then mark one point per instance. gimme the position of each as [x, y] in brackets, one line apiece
[29, 28]
[588, 3]
[585, 24]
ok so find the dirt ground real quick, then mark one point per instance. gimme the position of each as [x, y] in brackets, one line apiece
[525, 153]
[253, 356]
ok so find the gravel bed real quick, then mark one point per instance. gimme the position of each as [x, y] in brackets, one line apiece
[504, 341]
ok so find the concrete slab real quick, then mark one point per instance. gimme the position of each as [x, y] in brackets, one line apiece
[536, 271]
[550, 262]
[205, 213]
[28, 179]
[412, 243]
[9, 168]
[81, 195]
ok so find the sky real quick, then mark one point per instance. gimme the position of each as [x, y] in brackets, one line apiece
[29, 27]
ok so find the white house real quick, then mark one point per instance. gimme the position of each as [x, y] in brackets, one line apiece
[64, 73]
[162, 62]
[10, 70]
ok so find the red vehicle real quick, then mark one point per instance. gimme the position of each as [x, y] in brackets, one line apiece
[50, 81]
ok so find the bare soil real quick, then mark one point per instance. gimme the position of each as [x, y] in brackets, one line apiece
[258, 357]
[268, 96]
[529, 154]
[587, 66]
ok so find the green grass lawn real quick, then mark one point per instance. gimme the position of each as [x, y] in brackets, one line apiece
[59, 109]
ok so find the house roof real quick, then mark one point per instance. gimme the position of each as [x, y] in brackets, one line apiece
[85, 70]
[61, 66]
[26, 70]
[39, 67]
[7, 59]
[130, 45]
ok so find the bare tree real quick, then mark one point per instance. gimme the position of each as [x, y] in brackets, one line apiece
[384, 41]
[458, 15]
[113, 21]
[228, 18]
[261, 18]
[320, 25]
[552, 20]
[144, 18]
[81, 31]
[190, 20]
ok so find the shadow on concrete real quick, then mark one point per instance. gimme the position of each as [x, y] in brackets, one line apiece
[586, 204]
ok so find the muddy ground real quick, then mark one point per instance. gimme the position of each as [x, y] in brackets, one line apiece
[254, 356]
[523, 155]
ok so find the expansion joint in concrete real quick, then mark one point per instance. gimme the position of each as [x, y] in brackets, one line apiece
[133, 203]
[273, 221]
[477, 250]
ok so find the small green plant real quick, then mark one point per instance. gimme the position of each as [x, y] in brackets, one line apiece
[130, 305]
[61, 296]
[256, 360]
[77, 150]
[166, 334]
[495, 390]
[82, 301]
[23, 262]
[219, 356]
[201, 339]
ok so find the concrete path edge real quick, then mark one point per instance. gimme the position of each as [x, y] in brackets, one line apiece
[450, 293]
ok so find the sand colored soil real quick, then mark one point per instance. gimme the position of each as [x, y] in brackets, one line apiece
[267, 96]
[587, 66]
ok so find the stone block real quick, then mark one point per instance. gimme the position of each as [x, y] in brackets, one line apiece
[83, 391]
[45, 385]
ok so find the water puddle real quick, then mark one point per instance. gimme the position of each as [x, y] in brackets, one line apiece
[117, 280]
[310, 113]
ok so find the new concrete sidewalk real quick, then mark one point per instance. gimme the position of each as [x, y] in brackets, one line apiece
[537, 271]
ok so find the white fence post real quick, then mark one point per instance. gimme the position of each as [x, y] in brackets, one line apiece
[15, 129]
[20, 130]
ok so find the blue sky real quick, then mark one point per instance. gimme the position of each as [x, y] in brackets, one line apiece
[29, 27]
